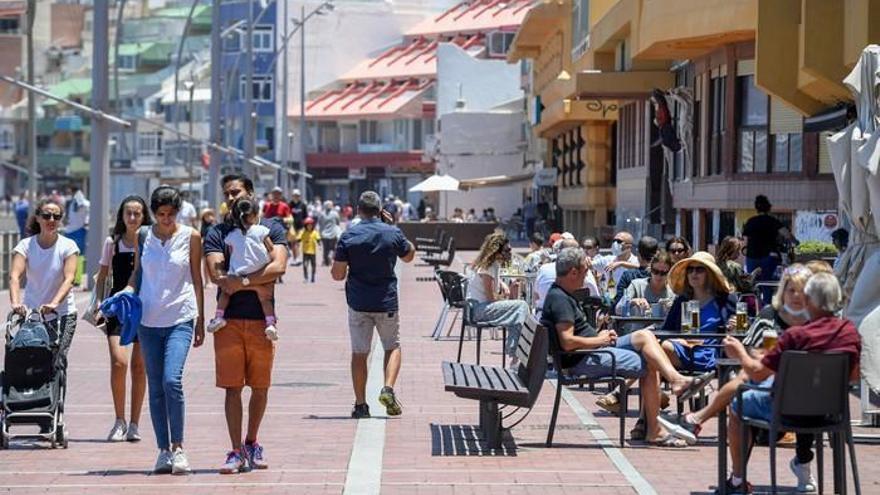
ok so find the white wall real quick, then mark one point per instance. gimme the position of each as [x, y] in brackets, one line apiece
[481, 144]
[484, 83]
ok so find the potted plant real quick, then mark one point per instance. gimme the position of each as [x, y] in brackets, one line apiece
[814, 250]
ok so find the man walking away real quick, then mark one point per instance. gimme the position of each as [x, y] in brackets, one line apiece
[328, 227]
[299, 211]
[365, 258]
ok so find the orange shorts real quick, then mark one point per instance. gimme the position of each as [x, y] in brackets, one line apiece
[243, 355]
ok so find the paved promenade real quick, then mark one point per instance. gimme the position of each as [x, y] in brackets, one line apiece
[314, 447]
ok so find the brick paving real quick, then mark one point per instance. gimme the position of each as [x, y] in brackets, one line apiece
[309, 437]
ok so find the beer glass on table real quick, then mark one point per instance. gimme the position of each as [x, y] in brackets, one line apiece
[742, 316]
[770, 339]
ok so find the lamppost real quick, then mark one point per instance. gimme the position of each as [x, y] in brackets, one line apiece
[190, 86]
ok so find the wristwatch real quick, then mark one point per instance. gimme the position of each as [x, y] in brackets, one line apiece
[245, 281]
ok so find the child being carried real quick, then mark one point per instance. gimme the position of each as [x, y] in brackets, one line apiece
[249, 246]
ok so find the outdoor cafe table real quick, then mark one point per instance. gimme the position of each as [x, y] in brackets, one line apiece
[528, 279]
[723, 366]
[621, 322]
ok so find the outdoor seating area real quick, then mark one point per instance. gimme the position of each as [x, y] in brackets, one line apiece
[467, 378]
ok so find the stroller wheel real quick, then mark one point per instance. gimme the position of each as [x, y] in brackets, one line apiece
[61, 436]
[4, 440]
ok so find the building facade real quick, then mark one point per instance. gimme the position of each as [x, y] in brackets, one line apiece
[737, 141]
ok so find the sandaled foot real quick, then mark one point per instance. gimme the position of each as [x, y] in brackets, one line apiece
[696, 385]
[667, 442]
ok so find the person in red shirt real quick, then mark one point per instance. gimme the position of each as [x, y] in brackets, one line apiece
[276, 207]
[824, 332]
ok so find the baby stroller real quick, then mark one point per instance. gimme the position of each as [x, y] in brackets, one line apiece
[33, 382]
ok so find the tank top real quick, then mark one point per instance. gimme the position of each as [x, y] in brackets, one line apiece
[167, 290]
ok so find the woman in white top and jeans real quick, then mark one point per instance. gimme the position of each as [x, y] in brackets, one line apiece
[173, 305]
[497, 304]
[48, 260]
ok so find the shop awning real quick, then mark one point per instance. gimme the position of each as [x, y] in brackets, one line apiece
[496, 180]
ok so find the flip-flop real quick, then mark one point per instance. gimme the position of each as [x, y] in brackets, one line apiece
[696, 385]
[668, 441]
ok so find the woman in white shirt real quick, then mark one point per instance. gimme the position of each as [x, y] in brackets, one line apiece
[48, 260]
[169, 269]
[496, 303]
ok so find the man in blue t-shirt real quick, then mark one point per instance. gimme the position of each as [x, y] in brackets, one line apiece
[243, 354]
[365, 258]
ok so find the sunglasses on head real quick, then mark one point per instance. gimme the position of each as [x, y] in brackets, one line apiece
[659, 273]
[51, 216]
[696, 269]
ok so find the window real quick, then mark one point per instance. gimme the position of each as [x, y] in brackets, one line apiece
[753, 126]
[232, 42]
[787, 153]
[499, 42]
[369, 132]
[580, 27]
[264, 39]
[150, 143]
[621, 57]
[7, 140]
[630, 136]
[261, 88]
[127, 62]
[9, 25]
[717, 122]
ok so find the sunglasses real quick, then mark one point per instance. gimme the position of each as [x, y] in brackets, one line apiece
[660, 273]
[696, 269]
[51, 216]
[678, 251]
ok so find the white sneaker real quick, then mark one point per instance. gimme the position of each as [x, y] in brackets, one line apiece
[179, 462]
[272, 333]
[163, 462]
[132, 435]
[117, 433]
[216, 324]
[805, 479]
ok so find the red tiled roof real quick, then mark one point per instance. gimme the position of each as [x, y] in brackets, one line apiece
[414, 58]
[475, 16]
[368, 100]
[13, 8]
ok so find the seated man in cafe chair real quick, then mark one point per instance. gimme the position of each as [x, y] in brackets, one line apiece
[637, 355]
[824, 332]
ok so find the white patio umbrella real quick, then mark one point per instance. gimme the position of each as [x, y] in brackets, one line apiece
[438, 183]
[855, 156]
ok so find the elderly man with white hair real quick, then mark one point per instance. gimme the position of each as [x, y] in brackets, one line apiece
[824, 332]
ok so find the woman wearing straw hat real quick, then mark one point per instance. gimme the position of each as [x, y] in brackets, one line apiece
[698, 278]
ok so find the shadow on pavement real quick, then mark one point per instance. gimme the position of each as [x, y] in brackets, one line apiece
[466, 440]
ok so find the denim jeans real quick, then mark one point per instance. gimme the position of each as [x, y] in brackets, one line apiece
[768, 265]
[165, 350]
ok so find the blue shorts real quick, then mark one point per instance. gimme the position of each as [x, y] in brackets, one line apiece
[757, 404]
[630, 364]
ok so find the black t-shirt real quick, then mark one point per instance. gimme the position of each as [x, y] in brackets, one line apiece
[243, 305]
[762, 231]
[299, 211]
[560, 306]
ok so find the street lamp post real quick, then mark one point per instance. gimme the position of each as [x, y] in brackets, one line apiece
[32, 102]
[191, 87]
[302, 104]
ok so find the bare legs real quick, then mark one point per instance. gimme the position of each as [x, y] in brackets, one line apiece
[359, 372]
[234, 413]
[119, 363]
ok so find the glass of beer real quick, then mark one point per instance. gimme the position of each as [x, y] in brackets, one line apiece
[742, 316]
[770, 338]
[693, 308]
[685, 321]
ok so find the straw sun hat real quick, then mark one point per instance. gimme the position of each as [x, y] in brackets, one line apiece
[678, 273]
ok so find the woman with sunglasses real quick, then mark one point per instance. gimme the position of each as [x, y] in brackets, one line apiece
[48, 260]
[642, 293]
[698, 278]
[678, 248]
[496, 303]
[117, 262]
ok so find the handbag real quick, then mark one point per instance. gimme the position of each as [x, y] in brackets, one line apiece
[91, 314]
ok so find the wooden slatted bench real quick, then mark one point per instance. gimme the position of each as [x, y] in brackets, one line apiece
[494, 386]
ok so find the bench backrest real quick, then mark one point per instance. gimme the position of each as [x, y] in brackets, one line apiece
[531, 350]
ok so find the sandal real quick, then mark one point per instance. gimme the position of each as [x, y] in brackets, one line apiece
[697, 385]
[668, 441]
[610, 403]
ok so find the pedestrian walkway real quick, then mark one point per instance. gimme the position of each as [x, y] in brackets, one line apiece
[314, 447]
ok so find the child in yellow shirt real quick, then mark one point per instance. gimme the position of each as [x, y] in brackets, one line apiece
[308, 241]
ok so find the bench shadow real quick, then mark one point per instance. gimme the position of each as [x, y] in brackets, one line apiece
[467, 441]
